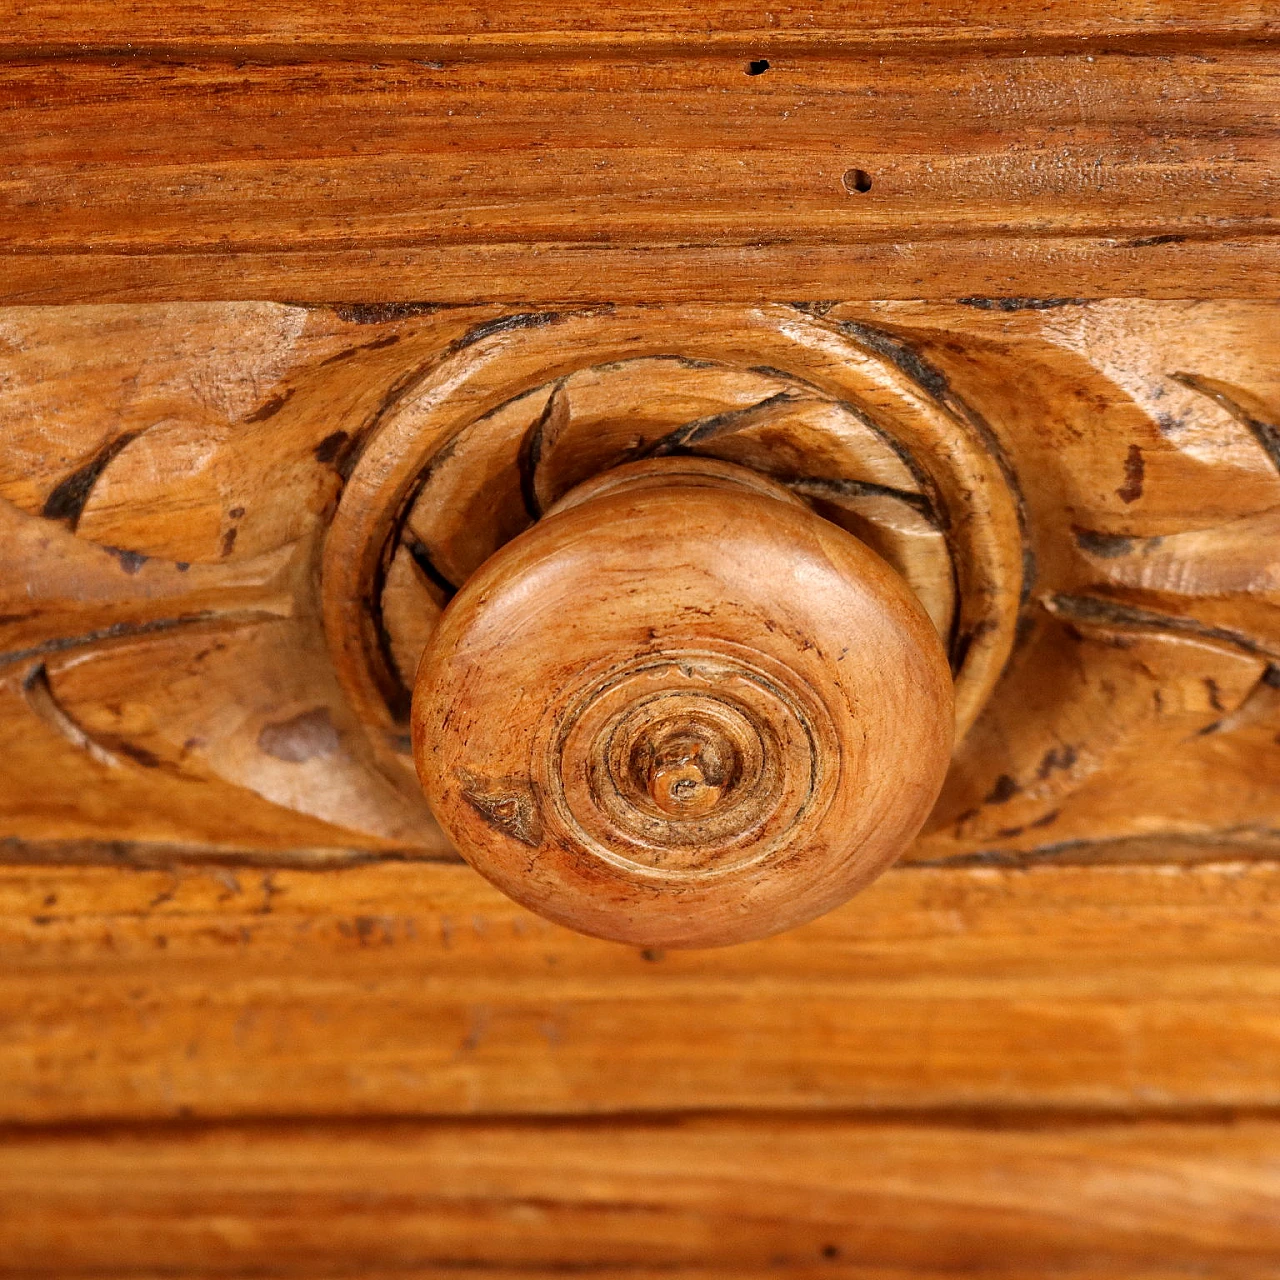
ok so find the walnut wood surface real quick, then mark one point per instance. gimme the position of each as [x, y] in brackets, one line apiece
[656, 173]
[263, 508]
[403, 989]
[234, 945]
[682, 709]
[71, 26]
[751, 1196]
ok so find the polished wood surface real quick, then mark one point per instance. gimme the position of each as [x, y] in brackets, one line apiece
[683, 709]
[698, 1198]
[234, 26]
[991, 289]
[225, 900]
[1061, 1070]
[1140, 987]
[635, 168]
[230, 530]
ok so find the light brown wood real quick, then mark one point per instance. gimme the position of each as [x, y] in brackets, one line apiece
[651, 173]
[736, 1197]
[403, 989]
[255, 1016]
[682, 710]
[70, 27]
[1083, 496]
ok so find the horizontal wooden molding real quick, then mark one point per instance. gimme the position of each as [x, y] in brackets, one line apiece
[1164, 266]
[419, 989]
[661, 175]
[239, 26]
[839, 1199]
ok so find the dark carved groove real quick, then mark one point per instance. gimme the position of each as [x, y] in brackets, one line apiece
[818, 487]
[933, 381]
[1110, 613]
[1267, 434]
[537, 442]
[68, 499]
[126, 630]
[691, 434]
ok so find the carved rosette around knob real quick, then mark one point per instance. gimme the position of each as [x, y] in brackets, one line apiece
[682, 710]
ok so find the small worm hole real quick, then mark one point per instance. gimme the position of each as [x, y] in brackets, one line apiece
[856, 180]
[758, 67]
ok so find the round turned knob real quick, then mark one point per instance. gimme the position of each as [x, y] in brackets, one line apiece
[682, 710]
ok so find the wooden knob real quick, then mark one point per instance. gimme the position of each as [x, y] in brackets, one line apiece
[682, 710]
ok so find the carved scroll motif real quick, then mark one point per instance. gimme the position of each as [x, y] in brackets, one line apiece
[229, 530]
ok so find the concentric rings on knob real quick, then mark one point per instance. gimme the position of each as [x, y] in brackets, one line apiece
[682, 710]
[687, 763]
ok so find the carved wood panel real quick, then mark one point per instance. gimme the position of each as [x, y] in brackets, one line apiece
[230, 526]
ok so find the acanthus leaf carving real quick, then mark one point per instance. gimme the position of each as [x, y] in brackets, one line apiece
[1145, 605]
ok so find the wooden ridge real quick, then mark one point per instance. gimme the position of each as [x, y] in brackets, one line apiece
[239, 27]
[670, 174]
[995, 268]
[843, 1199]
[417, 989]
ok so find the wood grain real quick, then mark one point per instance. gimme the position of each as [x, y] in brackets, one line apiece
[72, 26]
[1006, 267]
[253, 1020]
[762, 1195]
[401, 178]
[419, 990]
[1085, 496]
[683, 710]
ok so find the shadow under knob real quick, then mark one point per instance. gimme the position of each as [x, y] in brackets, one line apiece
[682, 710]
